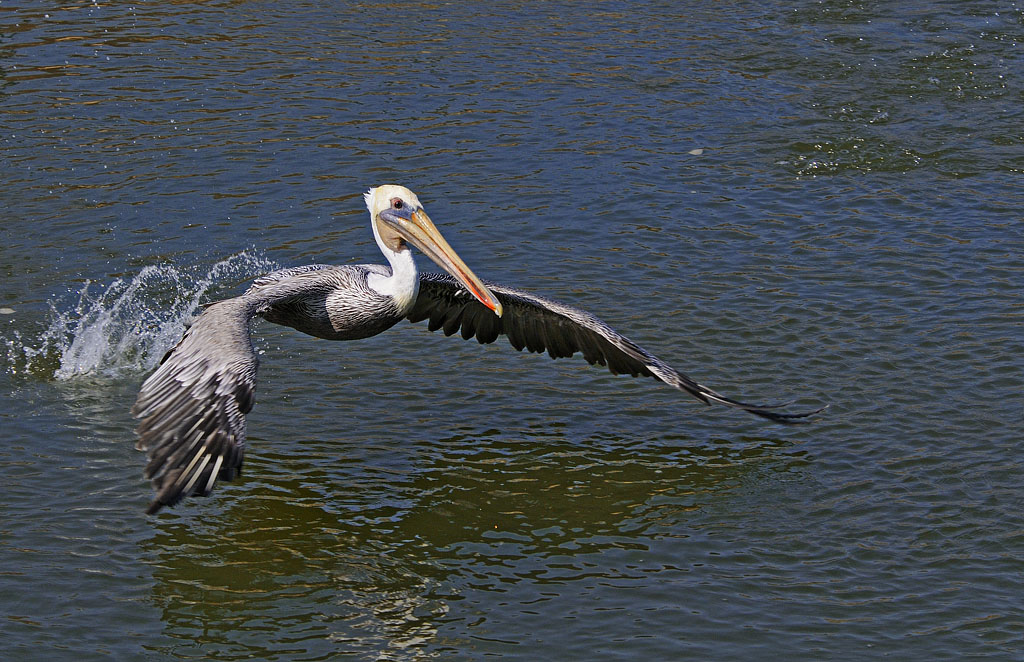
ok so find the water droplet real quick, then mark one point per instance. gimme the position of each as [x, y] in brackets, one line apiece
[125, 326]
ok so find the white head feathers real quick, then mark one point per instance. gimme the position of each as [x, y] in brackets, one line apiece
[379, 198]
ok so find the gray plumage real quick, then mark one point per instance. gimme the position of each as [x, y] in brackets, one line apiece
[335, 303]
[192, 409]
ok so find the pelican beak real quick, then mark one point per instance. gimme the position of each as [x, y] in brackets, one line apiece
[415, 226]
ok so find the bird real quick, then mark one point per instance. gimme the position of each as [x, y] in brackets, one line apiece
[192, 408]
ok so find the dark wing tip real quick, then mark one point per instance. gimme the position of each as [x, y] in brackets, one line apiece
[156, 505]
[794, 418]
[764, 411]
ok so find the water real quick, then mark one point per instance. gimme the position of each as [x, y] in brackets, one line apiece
[816, 201]
[123, 327]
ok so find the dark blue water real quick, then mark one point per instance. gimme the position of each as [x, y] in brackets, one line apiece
[816, 202]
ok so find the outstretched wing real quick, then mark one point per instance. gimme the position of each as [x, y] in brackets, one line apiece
[193, 407]
[540, 325]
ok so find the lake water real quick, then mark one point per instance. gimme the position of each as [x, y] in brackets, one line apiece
[809, 201]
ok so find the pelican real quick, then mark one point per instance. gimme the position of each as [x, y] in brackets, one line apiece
[192, 408]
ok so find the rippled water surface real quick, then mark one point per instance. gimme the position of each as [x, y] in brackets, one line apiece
[817, 201]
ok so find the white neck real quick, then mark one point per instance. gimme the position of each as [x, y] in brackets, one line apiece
[403, 284]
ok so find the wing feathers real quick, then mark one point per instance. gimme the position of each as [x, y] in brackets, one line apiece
[540, 325]
[192, 409]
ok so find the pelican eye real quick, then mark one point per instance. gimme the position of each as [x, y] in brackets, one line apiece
[397, 203]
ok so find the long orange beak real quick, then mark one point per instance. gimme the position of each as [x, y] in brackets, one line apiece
[416, 227]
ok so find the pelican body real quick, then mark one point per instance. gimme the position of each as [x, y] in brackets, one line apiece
[193, 407]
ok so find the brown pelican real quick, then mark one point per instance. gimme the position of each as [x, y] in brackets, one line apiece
[193, 407]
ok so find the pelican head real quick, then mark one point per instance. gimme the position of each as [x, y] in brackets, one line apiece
[398, 217]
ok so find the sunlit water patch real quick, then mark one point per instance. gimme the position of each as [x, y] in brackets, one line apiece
[125, 326]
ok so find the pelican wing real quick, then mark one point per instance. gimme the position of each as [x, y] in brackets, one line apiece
[540, 325]
[193, 407]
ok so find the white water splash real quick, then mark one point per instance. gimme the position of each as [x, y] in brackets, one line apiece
[125, 326]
